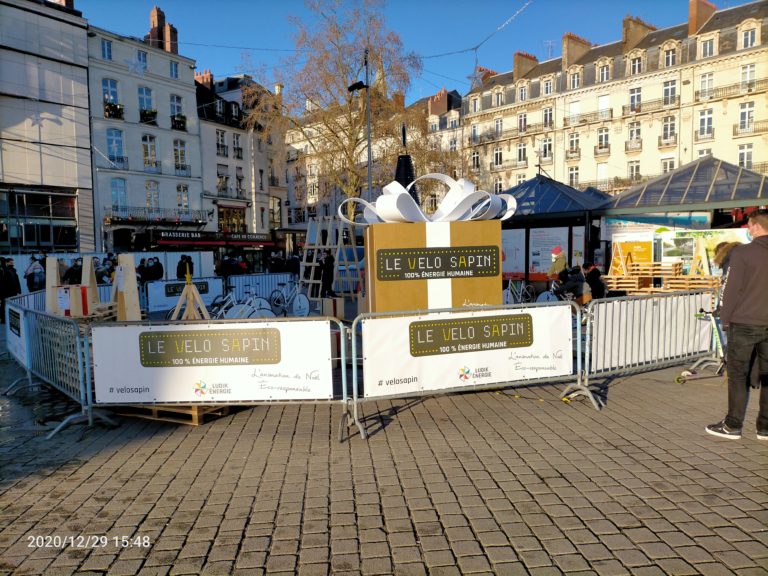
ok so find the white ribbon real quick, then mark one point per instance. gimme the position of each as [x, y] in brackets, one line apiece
[462, 202]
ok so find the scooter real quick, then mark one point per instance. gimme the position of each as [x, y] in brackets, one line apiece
[717, 363]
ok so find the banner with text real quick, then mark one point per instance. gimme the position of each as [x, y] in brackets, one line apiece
[404, 355]
[207, 363]
[15, 339]
[164, 295]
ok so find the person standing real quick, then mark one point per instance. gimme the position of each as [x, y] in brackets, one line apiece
[327, 267]
[14, 285]
[34, 275]
[744, 315]
[181, 268]
[558, 262]
[595, 280]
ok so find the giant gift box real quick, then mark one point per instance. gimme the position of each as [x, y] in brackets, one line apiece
[432, 265]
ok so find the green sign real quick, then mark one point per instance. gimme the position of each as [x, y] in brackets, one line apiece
[176, 288]
[432, 263]
[210, 348]
[470, 335]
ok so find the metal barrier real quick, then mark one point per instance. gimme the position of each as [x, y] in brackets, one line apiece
[258, 284]
[642, 333]
[571, 321]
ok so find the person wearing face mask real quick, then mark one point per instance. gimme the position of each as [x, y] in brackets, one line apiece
[558, 262]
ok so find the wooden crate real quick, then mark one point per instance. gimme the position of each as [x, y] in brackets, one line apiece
[192, 414]
[656, 269]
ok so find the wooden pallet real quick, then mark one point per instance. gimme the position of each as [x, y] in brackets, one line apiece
[656, 269]
[692, 282]
[626, 282]
[192, 414]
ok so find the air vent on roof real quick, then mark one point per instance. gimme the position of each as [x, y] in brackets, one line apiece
[678, 34]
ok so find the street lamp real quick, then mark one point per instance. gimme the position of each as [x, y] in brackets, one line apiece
[359, 85]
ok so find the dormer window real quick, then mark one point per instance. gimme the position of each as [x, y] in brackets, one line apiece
[574, 80]
[603, 73]
[670, 58]
[748, 38]
[523, 93]
[498, 98]
[635, 65]
[708, 46]
[547, 87]
[748, 34]
[475, 105]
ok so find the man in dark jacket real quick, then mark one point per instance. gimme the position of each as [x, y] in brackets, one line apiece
[745, 316]
[594, 280]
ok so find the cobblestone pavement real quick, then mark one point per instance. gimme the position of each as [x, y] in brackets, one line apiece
[504, 483]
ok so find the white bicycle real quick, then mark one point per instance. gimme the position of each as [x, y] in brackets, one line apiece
[289, 298]
[252, 307]
[518, 292]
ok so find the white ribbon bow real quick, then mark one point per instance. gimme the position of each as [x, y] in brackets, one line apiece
[462, 202]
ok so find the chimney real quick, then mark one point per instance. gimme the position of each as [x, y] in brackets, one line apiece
[523, 63]
[278, 89]
[699, 11]
[171, 37]
[633, 30]
[398, 99]
[574, 47]
[205, 78]
[161, 35]
[438, 104]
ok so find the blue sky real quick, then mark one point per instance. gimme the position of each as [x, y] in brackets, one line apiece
[427, 27]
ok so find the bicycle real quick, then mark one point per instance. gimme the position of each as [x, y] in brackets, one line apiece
[261, 306]
[518, 292]
[289, 298]
[216, 309]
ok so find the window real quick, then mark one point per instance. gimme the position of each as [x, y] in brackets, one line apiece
[433, 127]
[573, 141]
[153, 196]
[182, 196]
[707, 48]
[522, 155]
[746, 115]
[239, 181]
[149, 151]
[603, 73]
[221, 143]
[547, 87]
[748, 77]
[670, 92]
[548, 118]
[706, 85]
[574, 81]
[141, 58]
[475, 160]
[275, 214]
[222, 178]
[602, 138]
[237, 150]
[633, 170]
[475, 104]
[670, 57]
[705, 152]
[219, 106]
[497, 157]
[115, 145]
[635, 65]
[145, 98]
[454, 123]
[634, 131]
[106, 49]
[667, 165]
[176, 107]
[668, 131]
[635, 98]
[474, 133]
[520, 178]
[498, 185]
[109, 90]
[745, 156]
[499, 98]
[180, 155]
[573, 176]
[545, 148]
[499, 126]
[174, 71]
[748, 38]
[522, 122]
[523, 93]
[452, 145]
[705, 122]
[261, 181]
[119, 196]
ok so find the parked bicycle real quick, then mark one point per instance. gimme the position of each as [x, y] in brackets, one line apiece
[289, 298]
[518, 292]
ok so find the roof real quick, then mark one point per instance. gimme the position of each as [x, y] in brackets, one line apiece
[704, 184]
[731, 17]
[542, 195]
[658, 37]
[604, 51]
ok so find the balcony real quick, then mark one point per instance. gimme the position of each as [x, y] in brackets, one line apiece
[668, 141]
[600, 115]
[118, 162]
[179, 122]
[153, 166]
[751, 127]
[759, 167]
[184, 170]
[572, 153]
[222, 150]
[703, 135]
[746, 87]
[543, 160]
[634, 145]
[602, 149]
[148, 117]
[274, 181]
[237, 152]
[143, 214]
[113, 110]
[650, 106]
[614, 185]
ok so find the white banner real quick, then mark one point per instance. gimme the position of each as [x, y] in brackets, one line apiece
[513, 252]
[15, 338]
[212, 363]
[541, 242]
[474, 348]
[644, 330]
[164, 294]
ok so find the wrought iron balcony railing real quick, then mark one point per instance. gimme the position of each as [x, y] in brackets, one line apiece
[148, 117]
[704, 134]
[751, 127]
[668, 141]
[183, 170]
[602, 150]
[650, 105]
[573, 119]
[634, 145]
[572, 153]
[138, 214]
[222, 150]
[153, 166]
[745, 87]
[237, 152]
[118, 162]
[179, 122]
[113, 110]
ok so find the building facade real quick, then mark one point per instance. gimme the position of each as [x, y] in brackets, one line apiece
[610, 116]
[146, 138]
[46, 198]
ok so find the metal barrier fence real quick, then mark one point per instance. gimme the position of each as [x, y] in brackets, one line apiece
[258, 284]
